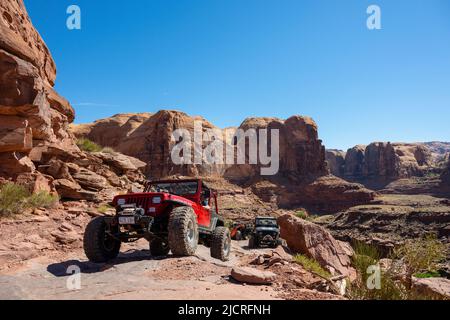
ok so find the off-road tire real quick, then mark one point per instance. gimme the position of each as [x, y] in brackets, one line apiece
[159, 248]
[221, 244]
[252, 242]
[180, 221]
[94, 242]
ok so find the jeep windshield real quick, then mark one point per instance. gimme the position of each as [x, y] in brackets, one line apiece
[266, 223]
[176, 188]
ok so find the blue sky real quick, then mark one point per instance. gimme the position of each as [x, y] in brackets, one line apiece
[230, 59]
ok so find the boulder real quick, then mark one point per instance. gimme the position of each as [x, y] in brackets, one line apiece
[36, 182]
[120, 163]
[252, 276]
[435, 288]
[14, 164]
[317, 243]
[89, 180]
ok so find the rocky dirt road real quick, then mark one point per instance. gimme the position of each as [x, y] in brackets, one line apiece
[134, 275]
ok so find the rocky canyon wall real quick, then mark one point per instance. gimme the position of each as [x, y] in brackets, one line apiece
[36, 147]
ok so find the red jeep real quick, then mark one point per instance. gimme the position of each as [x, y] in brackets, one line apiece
[173, 215]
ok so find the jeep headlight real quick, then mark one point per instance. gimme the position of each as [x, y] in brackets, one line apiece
[156, 200]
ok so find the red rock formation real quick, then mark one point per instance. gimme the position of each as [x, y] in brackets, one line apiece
[301, 153]
[149, 138]
[110, 132]
[36, 148]
[336, 162]
[446, 175]
[32, 114]
[302, 178]
[380, 163]
[317, 243]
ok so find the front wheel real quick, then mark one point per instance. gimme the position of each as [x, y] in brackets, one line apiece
[183, 231]
[98, 245]
[221, 244]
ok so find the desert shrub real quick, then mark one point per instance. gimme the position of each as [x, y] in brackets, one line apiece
[418, 255]
[12, 198]
[365, 256]
[311, 265]
[421, 255]
[302, 215]
[426, 275]
[41, 199]
[15, 199]
[104, 208]
[88, 145]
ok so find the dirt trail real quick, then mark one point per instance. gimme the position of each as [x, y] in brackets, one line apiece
[134, 275]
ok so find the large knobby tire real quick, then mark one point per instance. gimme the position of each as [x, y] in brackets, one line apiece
[221, 244]
[98, 246]
[159, 248]
[183, 231]
[251, 242]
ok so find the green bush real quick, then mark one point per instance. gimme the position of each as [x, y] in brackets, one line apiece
[42, 199]
[418, 255]
[12, 198]
[365, 256]
[104, 208]
[15, 199]
[302, 215]
[311, 265]
[88, 145]
[421, 255]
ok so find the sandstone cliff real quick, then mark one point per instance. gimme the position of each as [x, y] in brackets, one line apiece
[380, 163]
[302, 179]
[36, 147]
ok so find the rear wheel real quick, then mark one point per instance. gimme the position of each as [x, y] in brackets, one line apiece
[252, 242]
[183, 231]
[159, 248]
[99, 246]
[221, 244]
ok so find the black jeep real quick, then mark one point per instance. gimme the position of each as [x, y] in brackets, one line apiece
[266, 233]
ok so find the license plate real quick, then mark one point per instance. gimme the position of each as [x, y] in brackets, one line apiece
[126, 220]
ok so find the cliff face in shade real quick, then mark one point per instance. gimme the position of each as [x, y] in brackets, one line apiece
[446, 175]
[380, 163]
[301, 153]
